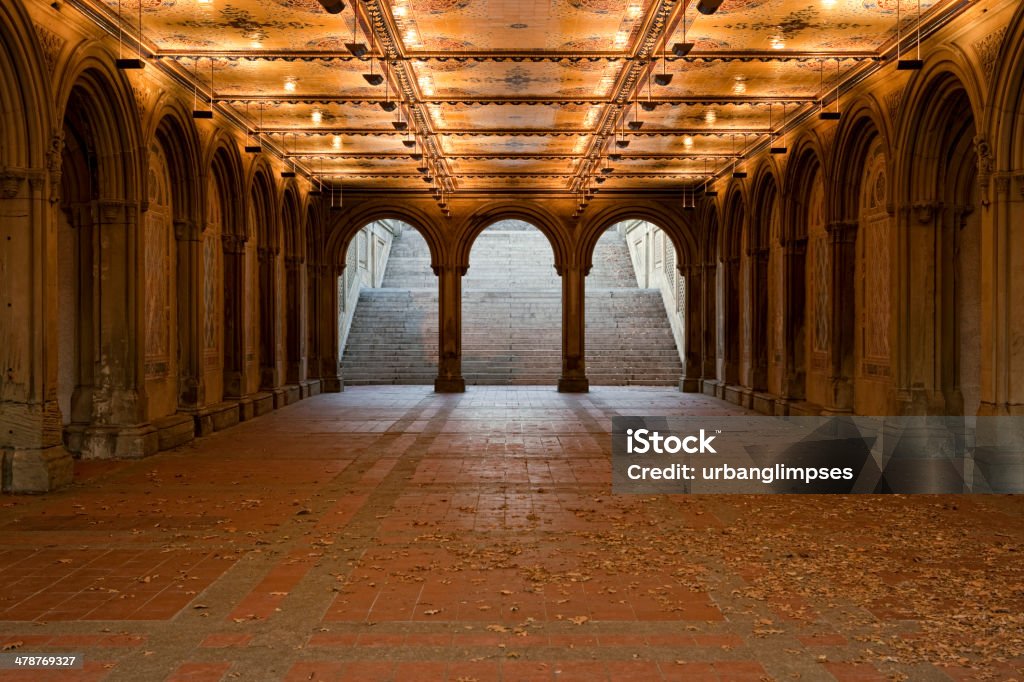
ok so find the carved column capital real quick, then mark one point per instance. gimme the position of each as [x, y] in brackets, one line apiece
[293, 262]
[1019, 178]
[794, 247]
[233, 244]
[187, 231]
[439, 270]
[925, 211]
[842, 231]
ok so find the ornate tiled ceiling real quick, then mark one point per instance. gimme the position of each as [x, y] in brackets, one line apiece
[531, 95]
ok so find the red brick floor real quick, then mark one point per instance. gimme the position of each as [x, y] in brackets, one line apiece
[393, 534]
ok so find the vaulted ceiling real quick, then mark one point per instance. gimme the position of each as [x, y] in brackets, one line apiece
[539, 95]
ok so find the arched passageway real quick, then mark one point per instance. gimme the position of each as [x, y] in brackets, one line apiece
[388, 307]
[635, 308]
[511, 308]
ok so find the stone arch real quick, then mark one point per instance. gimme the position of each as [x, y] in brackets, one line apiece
[486, 216]
[30, 167]
[679, 231]
[1007, 110]
[104, 361]
[264, 212]
[857, 131]
[939, 249]
[175, 135]
[312, 228]
[343, 231]
[708, 262]
[730, 249]
[227, 191]
[759, 333]
[861, 270]
[293, 231]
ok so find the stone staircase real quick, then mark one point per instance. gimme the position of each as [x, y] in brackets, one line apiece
[510, 338]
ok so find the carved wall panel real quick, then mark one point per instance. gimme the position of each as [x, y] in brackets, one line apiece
[159, 242]
[874, 232]
[211, 269]
[820, 271]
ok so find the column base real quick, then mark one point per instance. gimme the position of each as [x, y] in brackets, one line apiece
[216, 417]
[710, 387]
[309, 388]
[332, 385]
[689, 385]
[262, 403]
[37, 470]
[573, 385]
[120, 442]
[176, 429]
[449, 385]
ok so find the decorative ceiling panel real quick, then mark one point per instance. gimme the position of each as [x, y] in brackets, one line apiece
[518, 94]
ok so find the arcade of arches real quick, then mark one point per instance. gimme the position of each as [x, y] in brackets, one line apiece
[160, 282]
[227, 498]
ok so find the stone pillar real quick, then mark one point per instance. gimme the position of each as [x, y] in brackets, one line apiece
[295, 356]
[842, 327]
[449, 342]
[574, 330]
[732, 328]
[313, 321]
[758, 259]
[189, 257]
[794, 288]
[234, 317]
[709, 341]
[33, 458]
[118, 427]
[693, 328]
[269, 376]
[330, 360]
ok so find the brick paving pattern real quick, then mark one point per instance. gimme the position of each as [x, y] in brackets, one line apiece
[390, 533]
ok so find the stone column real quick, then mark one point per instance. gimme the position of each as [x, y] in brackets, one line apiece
[732, 328]
[709, 341]
[330, 361]
[449, 342]
[295, 371]
[189, 258]
[313, 321]
[574, 329]
[842, 327]
[693, 327]
[118, 427]
[234, 318]
[33, 458]
[794, 288]
[758, 259]
[269, 376]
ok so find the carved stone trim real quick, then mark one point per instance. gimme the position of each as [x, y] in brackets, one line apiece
[893, 103]
[52, 45]
[842, 232]
[988, 51]
[186, 231]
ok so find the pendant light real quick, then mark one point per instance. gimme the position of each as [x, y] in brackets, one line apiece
[196, 111]
[372, 78]
[682, 49]
[355, 48]
[636, 123]
[387, 104]
[917, 63]
[648, 104]
[128, 63]
[290, 171]
[781, 148]
[663, 78]
[736, 172]
[256, 147]
[824, 114]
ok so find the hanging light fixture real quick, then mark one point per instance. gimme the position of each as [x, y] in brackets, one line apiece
[332, 6]
[253, 146]
[196, 111]
[387, 104]
[355, 48]
[736, 172]
[648, 104]
[684, 48]
[917, 63]
[128, 63]
[781, 149]
[337, 198]
[636, 123]
[825, 114]
[372, 78]
[708, 6]
[663, 78]
[290, 171]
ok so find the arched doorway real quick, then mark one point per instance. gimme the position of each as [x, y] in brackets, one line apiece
[511, 308]
[635, 308]
[941, 351]
[388, 307]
